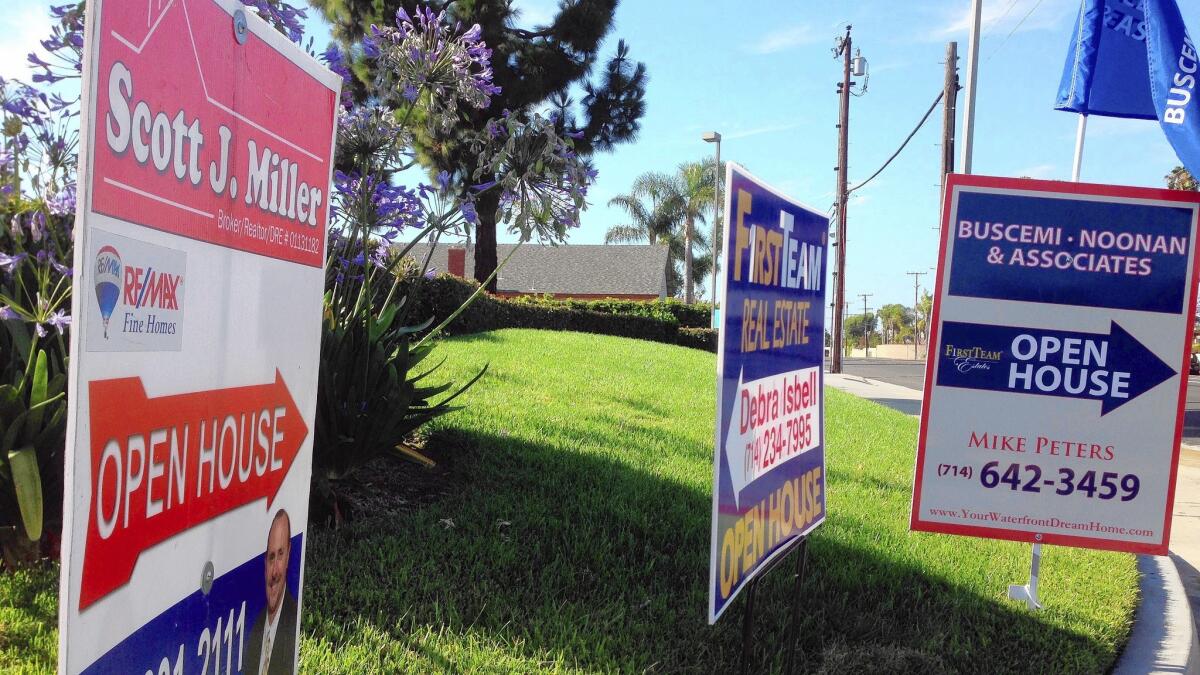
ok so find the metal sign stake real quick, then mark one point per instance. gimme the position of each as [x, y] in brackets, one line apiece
[1029, 592]
[799, 551]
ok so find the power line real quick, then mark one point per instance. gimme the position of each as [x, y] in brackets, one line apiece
[999, 19]
[1015, 28]
[901, 148]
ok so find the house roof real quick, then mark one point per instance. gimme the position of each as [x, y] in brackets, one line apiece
[582, 269]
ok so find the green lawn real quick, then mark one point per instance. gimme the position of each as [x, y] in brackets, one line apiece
[572, 535]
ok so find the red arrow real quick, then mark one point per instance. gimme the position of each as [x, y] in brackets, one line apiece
[161, 466]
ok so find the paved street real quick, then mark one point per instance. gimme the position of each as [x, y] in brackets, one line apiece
[911, 374]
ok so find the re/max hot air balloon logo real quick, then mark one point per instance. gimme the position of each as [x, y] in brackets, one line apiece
[108, 283]
[139, 296]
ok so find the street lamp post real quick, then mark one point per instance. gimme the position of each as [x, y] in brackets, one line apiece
[714, 137]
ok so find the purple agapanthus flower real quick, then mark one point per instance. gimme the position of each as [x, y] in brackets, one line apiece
[285, 18]
[370, 48]
[63, 201]
[424, 50]
[469, 213]
[37, 226]
[9, 262]
[60, 320]
[7, 313]
[61, 268]
[337, 62]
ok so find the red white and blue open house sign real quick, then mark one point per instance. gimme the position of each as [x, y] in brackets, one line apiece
[1057, 372]
[769, 465]
[199, 258]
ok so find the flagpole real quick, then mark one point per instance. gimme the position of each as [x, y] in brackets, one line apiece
[972, 71]
[1079, 134]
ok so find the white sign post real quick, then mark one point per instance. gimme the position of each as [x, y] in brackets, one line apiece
[199, 259]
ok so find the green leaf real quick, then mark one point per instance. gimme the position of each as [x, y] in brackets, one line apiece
[383, 322]
[9, 440]
[10, 404]
[37, 395]
[20, 338]
[28, 486]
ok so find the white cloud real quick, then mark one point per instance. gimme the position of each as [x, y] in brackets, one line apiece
[1001, 18]
[758, 131]
[23, 28]
[783, 39]
[1038, 171]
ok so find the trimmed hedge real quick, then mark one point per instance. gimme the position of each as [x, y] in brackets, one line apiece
[698, 338]
[441, 295]
[698, 315]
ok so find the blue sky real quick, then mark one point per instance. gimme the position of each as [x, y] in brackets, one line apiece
[761, 72]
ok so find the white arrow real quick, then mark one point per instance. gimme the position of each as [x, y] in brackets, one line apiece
[788, 404]
[735, 443]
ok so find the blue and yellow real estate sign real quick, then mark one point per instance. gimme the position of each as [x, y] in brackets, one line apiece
[769, 465]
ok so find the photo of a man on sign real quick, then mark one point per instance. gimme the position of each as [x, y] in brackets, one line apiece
[271, 648]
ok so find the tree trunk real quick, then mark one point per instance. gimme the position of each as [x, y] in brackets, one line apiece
[688, 291]
[485, 237]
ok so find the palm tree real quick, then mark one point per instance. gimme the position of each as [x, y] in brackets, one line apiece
[652, 218]
[694, 187]
[660, 205]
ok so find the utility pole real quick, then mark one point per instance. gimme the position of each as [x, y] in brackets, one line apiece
[866, 327]
[949, 114]
[839, 290]
[916, 312]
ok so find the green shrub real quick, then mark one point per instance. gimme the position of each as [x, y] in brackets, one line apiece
[652, 309]
[698, 315]
[698, 338]
[444, 293]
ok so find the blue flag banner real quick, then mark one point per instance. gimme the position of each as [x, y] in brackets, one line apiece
[1106, 68]
[1173, 63]
[1133, 58]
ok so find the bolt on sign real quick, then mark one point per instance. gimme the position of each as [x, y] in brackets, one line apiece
[199, 257]
[769, 465]
[1057, 376]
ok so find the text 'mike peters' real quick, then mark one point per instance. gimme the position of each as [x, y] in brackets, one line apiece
[173, 144]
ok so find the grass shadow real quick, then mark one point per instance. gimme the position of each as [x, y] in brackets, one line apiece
[581, 562]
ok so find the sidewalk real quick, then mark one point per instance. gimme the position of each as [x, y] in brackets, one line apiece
[1164, 631]
[907, 401]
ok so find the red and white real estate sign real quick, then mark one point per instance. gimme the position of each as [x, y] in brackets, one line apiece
[199, 258]
[1058, 363]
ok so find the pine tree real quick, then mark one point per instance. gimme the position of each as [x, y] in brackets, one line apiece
[533, 68]
[1180, 179]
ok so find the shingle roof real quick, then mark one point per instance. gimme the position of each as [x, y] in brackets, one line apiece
[591, 269]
